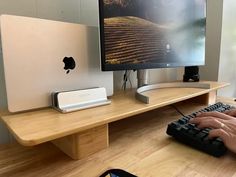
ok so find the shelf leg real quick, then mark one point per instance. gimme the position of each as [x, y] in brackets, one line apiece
[85, 143]
[207, 99]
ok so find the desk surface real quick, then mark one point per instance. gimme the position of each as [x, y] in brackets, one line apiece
[138, 144]
[36, 127]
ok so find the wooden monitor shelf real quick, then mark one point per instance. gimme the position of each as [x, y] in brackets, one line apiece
[84, 132]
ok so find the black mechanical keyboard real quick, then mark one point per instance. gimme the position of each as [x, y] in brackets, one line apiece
[198, 138]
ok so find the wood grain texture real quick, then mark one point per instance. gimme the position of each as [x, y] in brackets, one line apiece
[85, 143]
[35, 127]
[209, 98]
[138, 144]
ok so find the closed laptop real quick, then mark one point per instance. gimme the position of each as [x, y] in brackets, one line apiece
[43, 56]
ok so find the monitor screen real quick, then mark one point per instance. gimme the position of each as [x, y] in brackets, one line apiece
[143, 34]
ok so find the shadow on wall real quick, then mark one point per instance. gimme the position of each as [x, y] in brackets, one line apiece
[3, 100]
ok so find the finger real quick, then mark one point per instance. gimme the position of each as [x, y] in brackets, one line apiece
[227, 112]
[203, 122]
[230, 112]
[218, 133]
[210, 123]
[198, 120]
[215, 114]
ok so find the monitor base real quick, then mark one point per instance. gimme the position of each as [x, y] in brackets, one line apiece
[143, 98]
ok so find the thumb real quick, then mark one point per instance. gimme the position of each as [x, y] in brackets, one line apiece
[219, 133]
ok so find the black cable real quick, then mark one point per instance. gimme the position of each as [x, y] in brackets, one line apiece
[125, 79]
[131, 86]
[178, 110]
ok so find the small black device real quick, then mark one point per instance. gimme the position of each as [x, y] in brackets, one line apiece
[117, 173]
[189, 134]
[191, 74]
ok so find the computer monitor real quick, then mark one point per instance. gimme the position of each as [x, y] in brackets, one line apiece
[143, 34]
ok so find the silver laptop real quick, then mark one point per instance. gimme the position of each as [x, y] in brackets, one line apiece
[44, 56]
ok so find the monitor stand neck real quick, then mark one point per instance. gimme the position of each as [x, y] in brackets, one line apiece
[142, 76]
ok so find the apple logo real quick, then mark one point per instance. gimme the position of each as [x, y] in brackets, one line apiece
[69, 64]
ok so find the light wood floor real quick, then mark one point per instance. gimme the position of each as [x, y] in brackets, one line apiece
[138, 145]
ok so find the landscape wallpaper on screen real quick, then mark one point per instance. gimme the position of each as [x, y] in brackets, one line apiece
[154, 31]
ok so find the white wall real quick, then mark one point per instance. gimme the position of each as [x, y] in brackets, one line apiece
[227, 69]
[213, 40]
[86, 12]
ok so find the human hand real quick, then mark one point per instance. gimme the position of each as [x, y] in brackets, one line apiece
[223, 126]
[231, 112]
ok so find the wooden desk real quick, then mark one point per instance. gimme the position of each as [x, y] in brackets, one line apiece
[138, 144]
[82, 133]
